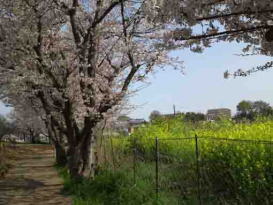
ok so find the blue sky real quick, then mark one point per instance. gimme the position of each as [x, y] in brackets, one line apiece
[3, 109]
[203, 86]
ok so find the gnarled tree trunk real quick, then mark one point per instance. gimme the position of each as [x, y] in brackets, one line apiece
[83, 156]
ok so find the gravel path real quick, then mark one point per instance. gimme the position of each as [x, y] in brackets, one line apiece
[33, 180]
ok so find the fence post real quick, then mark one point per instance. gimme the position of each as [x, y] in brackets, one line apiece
[157, 166]
[113, 153]
[270, 148]
[134, 161]
[198, 170]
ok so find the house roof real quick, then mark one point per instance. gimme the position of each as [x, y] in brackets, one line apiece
[136, 121]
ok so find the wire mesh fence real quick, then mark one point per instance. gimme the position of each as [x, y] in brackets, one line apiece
[195, 170]
[235, 171]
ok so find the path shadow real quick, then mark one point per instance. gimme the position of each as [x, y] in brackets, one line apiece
[20, 183]
[33, 180]
[13, 187]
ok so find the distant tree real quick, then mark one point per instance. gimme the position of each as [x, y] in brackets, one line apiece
[248, 110]
[154, 115]
[244, 111]
[245, 107]
[262, 108]
[5, 127]
[194, 117]
[28, 123]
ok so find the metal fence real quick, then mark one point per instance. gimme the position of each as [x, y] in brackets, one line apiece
[196, 170]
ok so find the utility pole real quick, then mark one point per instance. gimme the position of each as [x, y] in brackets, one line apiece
[174, 112]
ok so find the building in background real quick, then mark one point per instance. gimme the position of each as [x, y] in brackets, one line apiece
[216, 114]
[125, 126]
[135, 123]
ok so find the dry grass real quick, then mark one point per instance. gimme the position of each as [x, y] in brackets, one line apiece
[8, 154]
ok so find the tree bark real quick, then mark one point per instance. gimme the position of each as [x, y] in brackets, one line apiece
[75, 162]
[93, 157]
[89, 156]
[61, 158]
[83, 157]
[33, 138]
[57, 138]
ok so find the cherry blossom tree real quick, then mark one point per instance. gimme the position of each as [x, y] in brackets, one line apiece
[79, 60]
[198, 24]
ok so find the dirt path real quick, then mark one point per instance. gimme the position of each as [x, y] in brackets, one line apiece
[33, 180]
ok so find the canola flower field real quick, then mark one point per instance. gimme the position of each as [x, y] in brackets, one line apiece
[235, 160]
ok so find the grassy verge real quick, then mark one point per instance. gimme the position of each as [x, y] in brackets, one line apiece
[7, 154]
[10, 153]
[115, 188]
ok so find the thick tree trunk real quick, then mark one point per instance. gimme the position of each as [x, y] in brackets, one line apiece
[86, 155]
[83, 158]
[79, 157]
[56, 137]
[61, 158]
[33, 140]
[32, 137]
[90, 157]
[75, 162]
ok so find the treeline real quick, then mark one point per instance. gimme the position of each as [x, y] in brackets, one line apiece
[188, 116]
[23, 125]
[251, 110]
[245, 111]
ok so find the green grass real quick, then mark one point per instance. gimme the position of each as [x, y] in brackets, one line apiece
[109, 187]
[116, 187]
